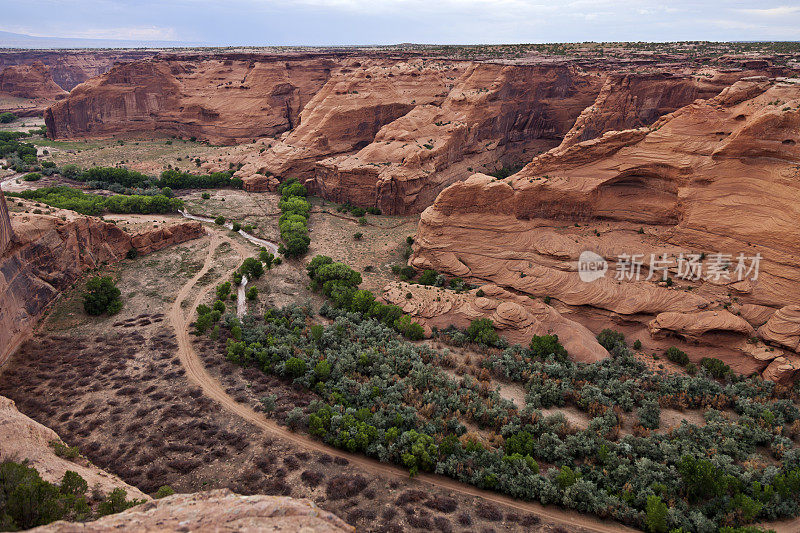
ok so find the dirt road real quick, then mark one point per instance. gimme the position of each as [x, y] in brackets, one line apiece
[198, 374]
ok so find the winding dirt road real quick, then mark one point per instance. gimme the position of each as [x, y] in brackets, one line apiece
[211, 388]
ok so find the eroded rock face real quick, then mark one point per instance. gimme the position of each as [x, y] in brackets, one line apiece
[628, 101]
[215, 510]
[24, 439]
[376, 129]
[714, 176]
[68, 68]
[48, 255]
[221, 99]
[345, 115]
[491, 113]
[30, 81]
[6, 233]
[516, 318]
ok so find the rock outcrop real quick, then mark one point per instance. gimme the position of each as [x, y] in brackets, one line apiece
[715, 177]
[222, 99]
[68, 68]
[493, 113]
[516, 318]
[36, 79]
[24, 439]
[48, 254]
[32, 81]
[6, 233]
[216, 510]
[378, 129]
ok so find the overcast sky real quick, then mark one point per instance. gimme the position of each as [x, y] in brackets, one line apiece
[327, 22]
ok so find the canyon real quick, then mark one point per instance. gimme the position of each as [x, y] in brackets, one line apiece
[387, 130]
[42, 255]
[35, 79]
[538, 191]
[718, 176]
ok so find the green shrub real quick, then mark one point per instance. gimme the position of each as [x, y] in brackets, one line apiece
[116, 502]
[409, 329]
[637, 344]
[219, 221]
[252, 293]
[101, 296]
[481, 330]
[205, 196]
[428, 277]
[69, 453]
[650, 414]
[163, 491]
[70, 171]
[7, 117]
[656, 511]
[545, 345]
[267, 258]
[295, 367]
[610, 339]
[236, 227]
[677, 356]
[32, 176]
[292, 187]
[92, 204]
[716, 367]
[27, 501]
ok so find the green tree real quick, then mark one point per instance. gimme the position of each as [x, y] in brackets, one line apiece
[656, 515]
[101, 296]
[481, 330]
[116, 502]
[545, 345]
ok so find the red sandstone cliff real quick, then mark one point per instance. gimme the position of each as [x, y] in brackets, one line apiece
[30, 81]
[222, 100]
[71, 67]
[715, 176]
[379, 129]
[48, 254]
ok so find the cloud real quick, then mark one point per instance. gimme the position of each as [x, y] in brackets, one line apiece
[780, 11]
[126, 33]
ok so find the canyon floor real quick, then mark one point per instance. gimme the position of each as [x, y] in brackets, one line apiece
[454, 187]
[142, 398]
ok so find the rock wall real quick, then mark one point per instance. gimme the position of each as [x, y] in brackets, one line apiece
[387, 130]
[492, 114]
[224, 99]
[716, 176]
[481, 116]
[6, 233]
[24, 439]
[32, 81]
[68, 68]
[49, 254]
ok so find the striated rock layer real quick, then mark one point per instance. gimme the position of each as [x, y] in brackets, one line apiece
[30, 81]
[48, 254]
[24, 439]
[716, 176]
[517, 318]
[224, 99]
[6, 233]
[71, 67]
[42, 77]
[386, 130]
[497, 114]
[215, 510]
